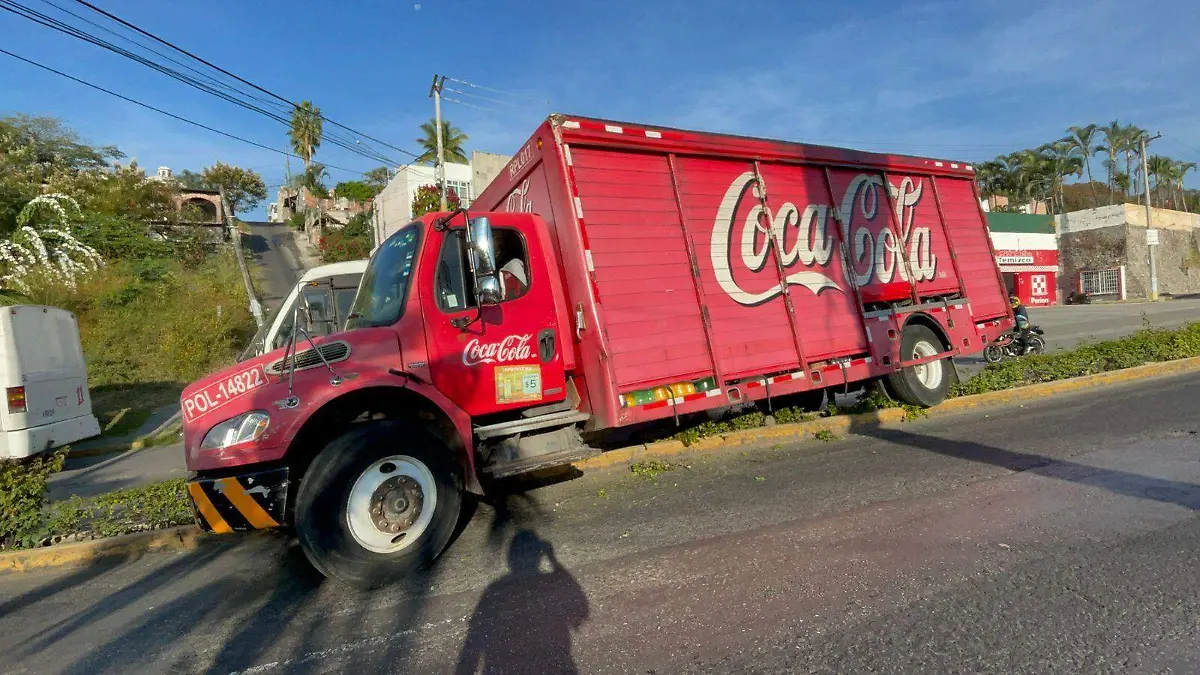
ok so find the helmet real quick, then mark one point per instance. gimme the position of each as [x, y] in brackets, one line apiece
[1014, 301]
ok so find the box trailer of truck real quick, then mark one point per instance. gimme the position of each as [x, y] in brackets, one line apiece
[614, 274]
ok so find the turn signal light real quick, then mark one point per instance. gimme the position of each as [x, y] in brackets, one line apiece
[16, 400]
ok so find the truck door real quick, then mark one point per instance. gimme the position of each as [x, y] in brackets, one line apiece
[509, 355]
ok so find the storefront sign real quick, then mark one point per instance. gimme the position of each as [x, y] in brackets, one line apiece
[1014, 259]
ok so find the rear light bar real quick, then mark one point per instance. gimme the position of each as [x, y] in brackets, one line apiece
[16, 400]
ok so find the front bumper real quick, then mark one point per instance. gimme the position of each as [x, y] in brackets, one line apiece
[249, 501]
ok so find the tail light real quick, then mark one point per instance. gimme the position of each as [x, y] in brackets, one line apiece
[16, 400]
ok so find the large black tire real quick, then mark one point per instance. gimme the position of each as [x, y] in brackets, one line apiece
[323, 502]
[916, 385]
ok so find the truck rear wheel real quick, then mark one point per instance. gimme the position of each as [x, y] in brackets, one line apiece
[926, 384]
[378, 503]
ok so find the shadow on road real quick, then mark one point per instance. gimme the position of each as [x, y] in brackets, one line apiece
[1114, 480]
[524, 620]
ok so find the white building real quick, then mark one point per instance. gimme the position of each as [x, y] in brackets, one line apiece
[393, 205]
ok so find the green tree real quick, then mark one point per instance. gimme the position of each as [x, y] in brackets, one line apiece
[191, 180]
[313, 178]
[1181, 169]
[1132, 147]
[1083, 140]
[244, 189]
[305, 132]
[1114, 143]
[453, 140]
[428, 199]
[378, 177]
[355, 190]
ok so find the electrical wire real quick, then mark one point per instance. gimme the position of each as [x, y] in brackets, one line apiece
[236, 77]
[483, 98]
[164, 112]
[351, 145]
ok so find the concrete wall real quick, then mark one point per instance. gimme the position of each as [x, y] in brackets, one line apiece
[1112, 236]
[1091, 249]
[485, 166]
[1177, 258]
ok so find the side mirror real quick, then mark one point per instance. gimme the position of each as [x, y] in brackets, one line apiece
[487, 290]
[483, 249]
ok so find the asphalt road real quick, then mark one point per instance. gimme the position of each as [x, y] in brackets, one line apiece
[1058, 537]
[274, 248]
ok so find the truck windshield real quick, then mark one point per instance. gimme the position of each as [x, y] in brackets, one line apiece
[384, 288]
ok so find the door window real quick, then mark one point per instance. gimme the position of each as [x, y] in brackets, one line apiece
[455, 291]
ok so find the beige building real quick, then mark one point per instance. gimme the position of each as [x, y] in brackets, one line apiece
[393, 205]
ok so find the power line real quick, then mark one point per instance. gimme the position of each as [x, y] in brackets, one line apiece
[55, 24]
[164, 112]
[483, 98]
[177, 62]
[236, 77]
[469, 105]
[491, 89]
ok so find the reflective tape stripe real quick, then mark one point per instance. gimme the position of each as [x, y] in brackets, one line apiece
[244, 503]
[208, 510]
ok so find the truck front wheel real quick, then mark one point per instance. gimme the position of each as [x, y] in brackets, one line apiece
[378, 503]
[926, 384]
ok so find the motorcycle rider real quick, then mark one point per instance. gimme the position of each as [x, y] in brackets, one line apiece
[1022, 316]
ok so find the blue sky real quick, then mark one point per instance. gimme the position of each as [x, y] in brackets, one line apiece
[963, 80]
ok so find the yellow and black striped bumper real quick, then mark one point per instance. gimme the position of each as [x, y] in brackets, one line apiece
[252, 501]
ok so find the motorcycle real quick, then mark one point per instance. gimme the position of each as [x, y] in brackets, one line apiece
[1007, 345]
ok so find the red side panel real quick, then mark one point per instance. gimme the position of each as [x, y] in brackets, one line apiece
[925, 243]
[738, 268]
[643, 277]
[874, 248]
[810, 246]
[985, 292]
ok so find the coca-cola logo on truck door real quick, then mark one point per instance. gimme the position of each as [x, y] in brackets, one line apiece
[875, 257]
[511, 348]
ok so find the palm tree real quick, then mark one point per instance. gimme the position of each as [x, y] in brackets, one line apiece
[1133, 143]
[305, 133]
[1181, 169]
[1161, 169]
[453, 140]
[1083, 140]
[1061, 159]
[1114, 135]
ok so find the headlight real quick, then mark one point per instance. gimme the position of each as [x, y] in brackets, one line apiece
[240, 429]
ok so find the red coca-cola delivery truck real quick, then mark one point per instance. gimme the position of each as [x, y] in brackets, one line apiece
[613, 274]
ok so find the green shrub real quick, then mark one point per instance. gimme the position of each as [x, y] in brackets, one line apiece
[1145, 346]
[338, 246]
[22, 496]
[149, 507]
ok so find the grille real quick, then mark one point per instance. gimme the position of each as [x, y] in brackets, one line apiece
[308, 358]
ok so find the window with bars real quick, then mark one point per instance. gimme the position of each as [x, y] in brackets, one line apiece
[1100, 282]
[463, 190]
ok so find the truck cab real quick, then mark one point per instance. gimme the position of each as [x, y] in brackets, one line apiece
[451, 370]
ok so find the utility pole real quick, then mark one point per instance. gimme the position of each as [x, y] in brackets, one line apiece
[1151, 234]
[435, 91]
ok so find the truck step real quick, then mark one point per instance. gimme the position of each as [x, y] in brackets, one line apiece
[527, 464]
[529, 424]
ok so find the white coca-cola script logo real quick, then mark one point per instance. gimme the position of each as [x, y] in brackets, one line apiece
[518, 200]
[877, 258]
[511, 348]
[813, 239]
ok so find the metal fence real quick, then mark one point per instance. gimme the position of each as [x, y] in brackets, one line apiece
[1100, 282]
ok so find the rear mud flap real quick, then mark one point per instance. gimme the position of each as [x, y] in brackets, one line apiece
[252, 501]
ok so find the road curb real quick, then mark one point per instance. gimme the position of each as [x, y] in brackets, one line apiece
[124, 547]
[189, 537]
[841, 424]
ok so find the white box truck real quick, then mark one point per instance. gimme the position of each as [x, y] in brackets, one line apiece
[45, 381]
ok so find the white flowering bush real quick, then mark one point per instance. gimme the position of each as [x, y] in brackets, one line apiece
[44, 245]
